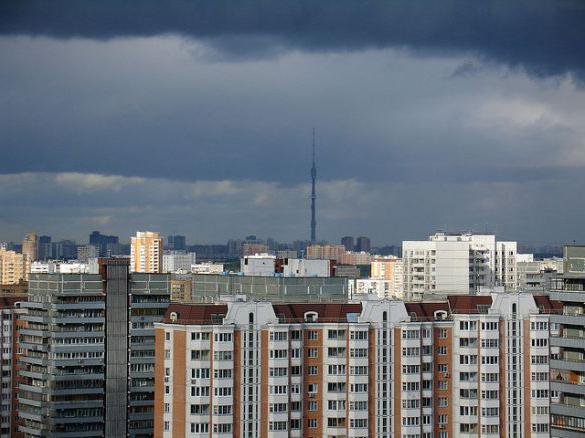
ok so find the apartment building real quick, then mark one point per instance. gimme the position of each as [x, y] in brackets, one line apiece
[458, 264]
[146, 252]
[10, 308]
[87, 364]
[389, 268]
[460, 367]
[568, 365]
[14, 267]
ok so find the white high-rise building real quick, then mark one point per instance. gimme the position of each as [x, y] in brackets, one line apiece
[458, 264]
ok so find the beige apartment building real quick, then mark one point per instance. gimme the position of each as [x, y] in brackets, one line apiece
[14, 267]
[146, 252]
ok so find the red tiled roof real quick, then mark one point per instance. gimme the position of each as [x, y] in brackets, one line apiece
[8, 301]
[468, 303]
[426, 310]
[194, 313]
[327, 312]
[547, 304]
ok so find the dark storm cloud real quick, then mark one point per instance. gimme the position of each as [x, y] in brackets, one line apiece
[545, 37]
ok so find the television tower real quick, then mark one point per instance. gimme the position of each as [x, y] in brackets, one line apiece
[313, 195]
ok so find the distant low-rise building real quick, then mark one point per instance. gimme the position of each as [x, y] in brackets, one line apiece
[207, 268]
[176, 261]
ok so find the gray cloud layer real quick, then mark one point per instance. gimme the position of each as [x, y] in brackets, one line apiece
[450, 114]
[544, 36]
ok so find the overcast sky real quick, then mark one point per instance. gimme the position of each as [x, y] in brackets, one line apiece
[196, 117]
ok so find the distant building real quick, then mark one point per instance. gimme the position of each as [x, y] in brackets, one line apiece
[389, 268]
[207, 268]
[30, 246]
[355, 258]
[287, 254]
[347, 271]
[459, 263]
[254, 248]
[327, 252]
[146, 252]
[258, 264]
[14, 267]
[537, 275]
[174, 261]
[45, 248]
[347, 242]
[176, 242]
[107, 245]
[86, 252]
[64, 250]
[362, 244]
[269, 265]
[62, 267]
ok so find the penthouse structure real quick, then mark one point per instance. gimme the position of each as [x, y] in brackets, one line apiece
[87, 364]
[464, 366]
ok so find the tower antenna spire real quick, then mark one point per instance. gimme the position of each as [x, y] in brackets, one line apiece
[313, 195]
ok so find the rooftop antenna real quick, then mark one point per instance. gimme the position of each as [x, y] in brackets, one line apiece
[313, 195]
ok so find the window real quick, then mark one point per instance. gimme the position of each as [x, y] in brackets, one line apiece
[539, 342]
[539, 359]
[312, 335]
[277, 425]
[223, 337]
[311, 423]
[278, 336]
[489, 343]
[311, 352]
[199, 427]
[313, 370]
[442, 351]
[540, 427]
[278, 354]
[443, 402]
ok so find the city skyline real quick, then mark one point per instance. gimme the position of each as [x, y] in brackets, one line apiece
[428, 119]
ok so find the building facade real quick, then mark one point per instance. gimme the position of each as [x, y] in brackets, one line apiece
[87, 364]
[568, 365]
[10, 309]
[146, 252]
[466, 366]
[458, 264]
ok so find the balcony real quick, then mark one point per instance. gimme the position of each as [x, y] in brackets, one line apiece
[563, 364]
[567, 388]
[570, 342]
